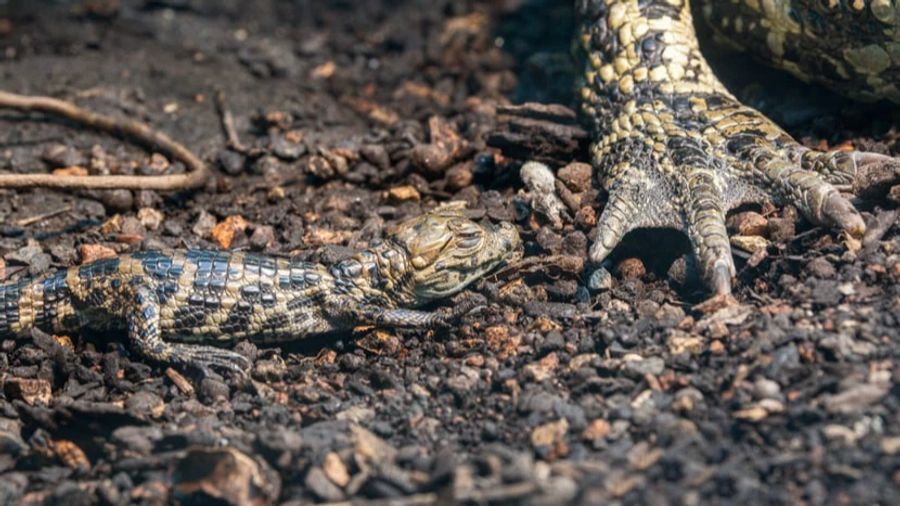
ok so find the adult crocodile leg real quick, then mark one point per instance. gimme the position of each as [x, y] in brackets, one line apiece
[674, 149]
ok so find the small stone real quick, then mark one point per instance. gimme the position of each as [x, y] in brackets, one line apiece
[276, 193]
[637, 366]
[144, 403]
[319, 166]
[459, 176]
[158, 164]
[93, 252]
[597, 430]
[262, 237]
[132, 226]
[854, 399]
[586, 217]
[60, 155]
[318, 483]
[231, 162]
[204, 224]
[75, 170]
[642, 457]
[335, 469]
[117, 200]
[223, 233]
[212, 391]
[136, 439]
[150, 218]
[550, 433]
[716, 347]
[541, 184]
[821, 268]
[752, 414]
[685, 343]
[289, 146]
[446, 146]
[749, 243]
[839, 433]
[600, 280]
[549, 240]
[543, 369]
[32, 391]
[377, 155]
[767, 389]
[631, 268]
[890, 445]
[406, 193]
[781, 229]
[224, 475]
[371, 448]
[70, 455]
[748, 223]
[577, 176]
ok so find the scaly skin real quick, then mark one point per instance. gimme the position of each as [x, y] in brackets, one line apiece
[674, 149]
[200, 297]
[851, 46]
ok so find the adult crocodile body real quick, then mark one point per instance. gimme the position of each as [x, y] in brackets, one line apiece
[203, 297]
[674, 149]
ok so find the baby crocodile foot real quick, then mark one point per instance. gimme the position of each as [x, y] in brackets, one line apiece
[207, 359]
[674, 149]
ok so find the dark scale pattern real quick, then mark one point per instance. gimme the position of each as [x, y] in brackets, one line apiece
[674, 149]
[9, 305]
[174, 303]
[851, 46]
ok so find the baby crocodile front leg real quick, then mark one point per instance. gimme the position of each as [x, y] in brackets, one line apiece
[674, 149]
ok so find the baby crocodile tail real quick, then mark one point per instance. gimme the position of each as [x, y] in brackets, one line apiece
[44, 303]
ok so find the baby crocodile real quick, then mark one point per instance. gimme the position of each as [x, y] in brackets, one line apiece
[674, 149]
[199, 297]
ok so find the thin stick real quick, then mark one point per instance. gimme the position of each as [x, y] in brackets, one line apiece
[139, 132]
[31, 220]
[231, 135]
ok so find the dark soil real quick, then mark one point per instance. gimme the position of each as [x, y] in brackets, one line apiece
[550, 395]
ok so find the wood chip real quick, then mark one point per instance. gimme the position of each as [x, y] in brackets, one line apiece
[180, 382]
[93, 252]
[224, 231]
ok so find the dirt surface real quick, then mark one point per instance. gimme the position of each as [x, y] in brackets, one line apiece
[353, 115]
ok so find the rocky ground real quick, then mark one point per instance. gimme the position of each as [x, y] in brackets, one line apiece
[351, 115]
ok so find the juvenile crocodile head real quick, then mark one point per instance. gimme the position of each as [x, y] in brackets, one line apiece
[448, 251]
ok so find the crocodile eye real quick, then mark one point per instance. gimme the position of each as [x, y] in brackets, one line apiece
[470, 242]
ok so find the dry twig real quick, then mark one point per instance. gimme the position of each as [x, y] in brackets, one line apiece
[139, 132]
[231, 135]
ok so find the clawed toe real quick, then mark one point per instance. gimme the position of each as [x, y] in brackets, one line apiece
[207, 359]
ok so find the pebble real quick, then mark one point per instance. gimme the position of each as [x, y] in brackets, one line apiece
[767, 389]
[263, 237]
[631, 268]
[854, 398]
[600, 280]
[212, 391]
[204, 224]
[318, 483]
[781, 229]
[145, 404]
[638, 367]
[231, 162]
[820, 267]
[224, 475]
[150, 218]
[459, 176]
[748, 223]
[577, 176]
